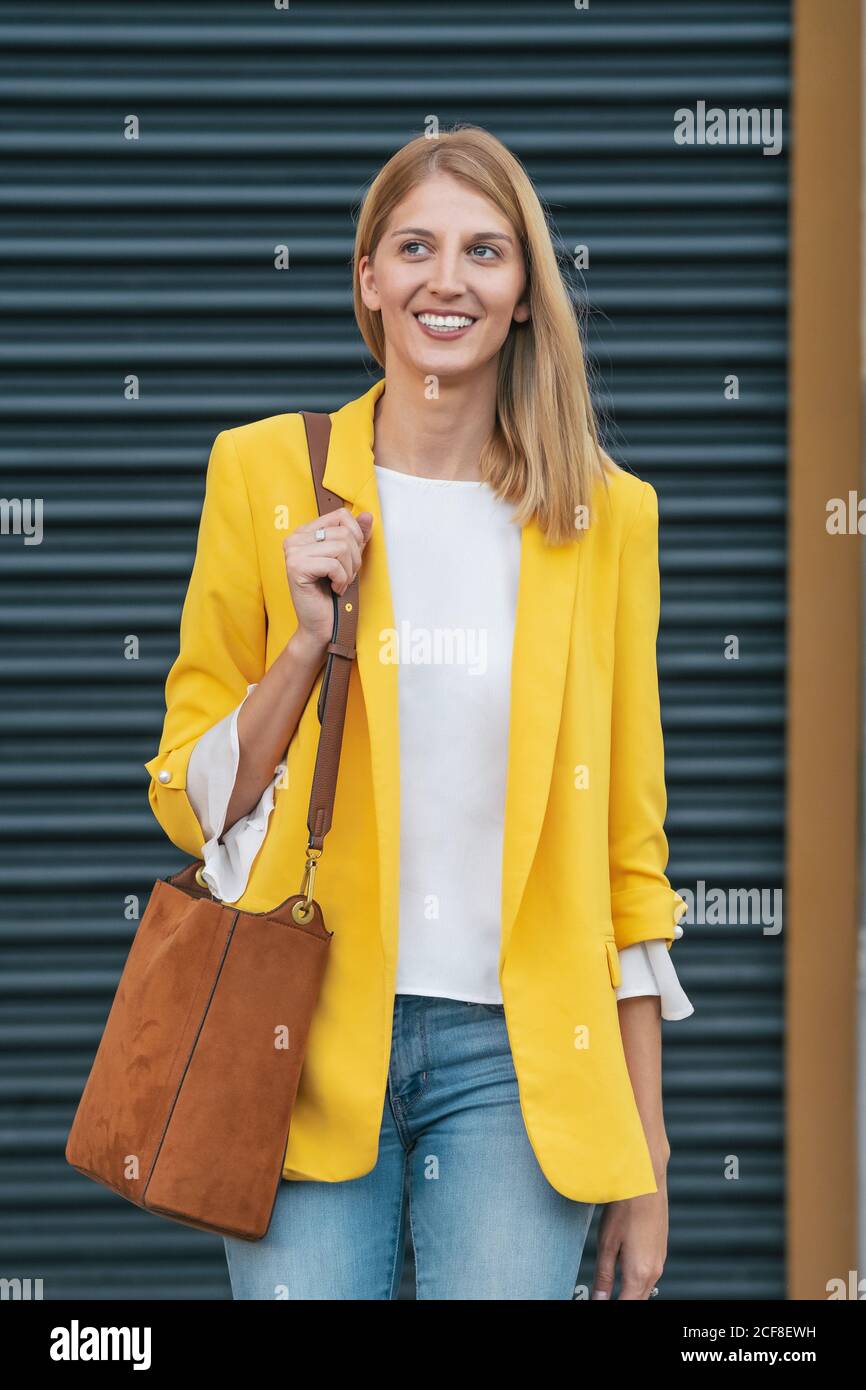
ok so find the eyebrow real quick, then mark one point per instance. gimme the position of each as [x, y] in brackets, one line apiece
[476, 236]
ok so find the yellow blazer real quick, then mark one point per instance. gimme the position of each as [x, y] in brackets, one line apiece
[584, 849]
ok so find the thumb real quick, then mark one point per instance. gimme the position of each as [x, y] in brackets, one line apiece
[365, 521]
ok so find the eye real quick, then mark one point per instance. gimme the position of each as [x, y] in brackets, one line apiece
[484, 247]
[407, 244]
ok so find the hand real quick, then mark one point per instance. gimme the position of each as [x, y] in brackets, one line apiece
[635, 1232]
[316, 569]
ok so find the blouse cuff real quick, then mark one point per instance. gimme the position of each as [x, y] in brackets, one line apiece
[647, 968]
[210, 780]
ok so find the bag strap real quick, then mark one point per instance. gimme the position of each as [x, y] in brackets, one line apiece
[341, 653]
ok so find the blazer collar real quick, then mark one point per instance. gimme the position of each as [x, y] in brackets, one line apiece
[349, 468]
[547, 588]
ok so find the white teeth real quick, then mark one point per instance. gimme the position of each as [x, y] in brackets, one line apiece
[447, 322]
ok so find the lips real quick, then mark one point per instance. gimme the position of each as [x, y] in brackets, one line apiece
[437, 325]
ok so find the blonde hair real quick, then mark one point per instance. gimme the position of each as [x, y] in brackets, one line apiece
[544, 453]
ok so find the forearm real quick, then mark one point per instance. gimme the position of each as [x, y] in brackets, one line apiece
[269, 717]
[640, 1027]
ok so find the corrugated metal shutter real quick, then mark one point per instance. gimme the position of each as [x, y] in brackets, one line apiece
[154, 258]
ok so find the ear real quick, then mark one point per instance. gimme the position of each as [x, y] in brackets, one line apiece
[367, 283]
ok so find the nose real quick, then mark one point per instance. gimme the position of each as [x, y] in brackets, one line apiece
[446, 278]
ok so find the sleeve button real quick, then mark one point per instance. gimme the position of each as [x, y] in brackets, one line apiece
[165, 775]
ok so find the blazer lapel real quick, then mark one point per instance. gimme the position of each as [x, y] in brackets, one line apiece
[349, 467]
[542, 632]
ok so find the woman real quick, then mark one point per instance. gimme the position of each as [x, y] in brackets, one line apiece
[501, 795]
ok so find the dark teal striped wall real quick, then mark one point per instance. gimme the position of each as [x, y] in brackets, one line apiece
[153, 259]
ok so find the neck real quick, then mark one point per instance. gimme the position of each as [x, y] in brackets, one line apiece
[439, 438]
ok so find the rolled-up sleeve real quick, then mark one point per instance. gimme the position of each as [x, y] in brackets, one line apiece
[222, 641]
[644, 906]
[228, 854]
[647, 968]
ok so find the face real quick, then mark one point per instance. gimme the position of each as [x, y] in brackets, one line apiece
[448, 278]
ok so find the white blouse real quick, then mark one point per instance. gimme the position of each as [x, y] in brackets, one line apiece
[453, 562]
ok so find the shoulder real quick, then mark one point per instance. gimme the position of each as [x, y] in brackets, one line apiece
[273, 435]
[262, 450]
[629, 502]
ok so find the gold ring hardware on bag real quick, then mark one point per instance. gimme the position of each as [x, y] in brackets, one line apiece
[302, 912]
[198, 877]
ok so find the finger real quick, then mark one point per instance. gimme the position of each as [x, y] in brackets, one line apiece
[334, 540]
[631, 1290]
[352, 523]
[338, 539]
[326, 519]
[637, 1284]
[605, 1274]
[341, 516]
[325, 567]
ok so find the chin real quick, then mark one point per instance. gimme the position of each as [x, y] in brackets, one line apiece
[444, 366]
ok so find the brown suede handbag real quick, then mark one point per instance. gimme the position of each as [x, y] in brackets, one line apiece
[187, 1108]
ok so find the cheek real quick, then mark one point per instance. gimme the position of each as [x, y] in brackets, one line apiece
[500, 301]
[397, 285]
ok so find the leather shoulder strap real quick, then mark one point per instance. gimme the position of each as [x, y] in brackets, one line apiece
[334, 690]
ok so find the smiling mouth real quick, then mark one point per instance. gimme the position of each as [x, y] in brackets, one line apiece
[445, 325]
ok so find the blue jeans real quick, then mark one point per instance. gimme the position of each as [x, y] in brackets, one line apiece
[485, 1222]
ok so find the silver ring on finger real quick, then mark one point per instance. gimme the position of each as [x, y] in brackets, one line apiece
[320, 533]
